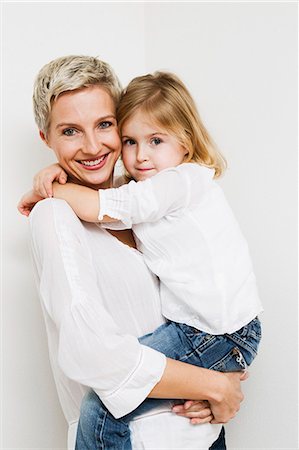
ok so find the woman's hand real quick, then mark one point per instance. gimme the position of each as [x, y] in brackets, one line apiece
[196, 410]
[28, 201]
[221, 390]
[226, 403]
[43, 180]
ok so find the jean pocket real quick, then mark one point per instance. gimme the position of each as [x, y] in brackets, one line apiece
[248, 339]
[252, 329]
[199, 340]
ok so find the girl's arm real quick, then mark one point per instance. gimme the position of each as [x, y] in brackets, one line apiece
[136, 202]
[84, 201]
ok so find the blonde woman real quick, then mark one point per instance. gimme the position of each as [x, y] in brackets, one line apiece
[97, 294]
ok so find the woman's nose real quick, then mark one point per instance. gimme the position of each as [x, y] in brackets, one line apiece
[92, 145]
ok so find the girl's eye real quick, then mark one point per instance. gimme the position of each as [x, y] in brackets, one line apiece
[69, 132]
[104, 125]
[156, 141]
[129, 142]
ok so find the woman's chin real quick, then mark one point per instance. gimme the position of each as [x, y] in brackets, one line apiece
[97, 180]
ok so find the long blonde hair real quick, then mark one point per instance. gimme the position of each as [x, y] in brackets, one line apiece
[164, 97]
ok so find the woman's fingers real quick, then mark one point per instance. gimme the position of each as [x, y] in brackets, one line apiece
[198, 421]
[190, 405]
[202, 414]
[198, 412]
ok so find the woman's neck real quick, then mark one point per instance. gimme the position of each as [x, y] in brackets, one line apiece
[105, 185]
[125, 236]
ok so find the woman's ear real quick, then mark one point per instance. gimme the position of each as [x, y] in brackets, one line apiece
[43, 137]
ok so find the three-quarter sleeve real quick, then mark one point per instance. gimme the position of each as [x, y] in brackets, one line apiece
[92, 350]
[163, 194]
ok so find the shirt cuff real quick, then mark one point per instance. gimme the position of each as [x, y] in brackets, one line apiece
[115, 203]
[135, 390]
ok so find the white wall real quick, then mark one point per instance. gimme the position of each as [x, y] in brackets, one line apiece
[239, 61]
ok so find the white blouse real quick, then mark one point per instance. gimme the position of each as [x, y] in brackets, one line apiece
[191, 240]
[97, 296]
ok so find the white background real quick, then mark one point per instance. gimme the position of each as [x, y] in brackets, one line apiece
[239, 61]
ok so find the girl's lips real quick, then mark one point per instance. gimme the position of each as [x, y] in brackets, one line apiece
[94, 163]
[145, 170]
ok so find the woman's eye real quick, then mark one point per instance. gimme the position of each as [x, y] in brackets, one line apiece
[105, 124]
[156, 141]
[69, 132]
[129, 142]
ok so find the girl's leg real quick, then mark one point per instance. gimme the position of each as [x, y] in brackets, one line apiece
[98, 429]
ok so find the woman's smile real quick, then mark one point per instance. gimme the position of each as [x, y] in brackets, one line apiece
[94, 163]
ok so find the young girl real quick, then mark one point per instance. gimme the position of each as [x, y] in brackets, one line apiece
[182, 224]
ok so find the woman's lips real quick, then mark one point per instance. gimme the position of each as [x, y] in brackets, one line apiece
[93, 163]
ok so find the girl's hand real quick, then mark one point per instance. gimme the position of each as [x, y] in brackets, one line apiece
[197, 411]
[28, 201]
[42, 182]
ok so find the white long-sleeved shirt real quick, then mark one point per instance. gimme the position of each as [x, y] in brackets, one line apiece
[191, 240]
[97, 296]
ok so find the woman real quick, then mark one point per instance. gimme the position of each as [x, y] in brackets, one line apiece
[97, 294]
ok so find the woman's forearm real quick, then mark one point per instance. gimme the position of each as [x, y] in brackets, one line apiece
[222, 390]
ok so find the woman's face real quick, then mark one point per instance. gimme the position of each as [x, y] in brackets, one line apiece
[84, 136]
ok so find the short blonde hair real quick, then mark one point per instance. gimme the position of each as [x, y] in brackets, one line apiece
[166, 100]
[69, 73]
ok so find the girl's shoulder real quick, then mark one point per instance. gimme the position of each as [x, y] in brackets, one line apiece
[197, 170]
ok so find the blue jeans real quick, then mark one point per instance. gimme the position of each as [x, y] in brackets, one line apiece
[99, 430]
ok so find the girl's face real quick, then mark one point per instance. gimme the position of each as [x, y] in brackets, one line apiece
[84, 136]
[147, 149]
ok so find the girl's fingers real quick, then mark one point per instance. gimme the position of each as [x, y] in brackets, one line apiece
[62, 178]
[48, 189]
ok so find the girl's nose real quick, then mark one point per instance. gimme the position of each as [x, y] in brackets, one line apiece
[142, 154]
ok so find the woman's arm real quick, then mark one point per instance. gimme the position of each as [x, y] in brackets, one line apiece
[74, 269]
[221, 390]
